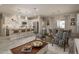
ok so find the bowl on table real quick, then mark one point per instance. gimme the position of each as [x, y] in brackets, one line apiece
[37, 43]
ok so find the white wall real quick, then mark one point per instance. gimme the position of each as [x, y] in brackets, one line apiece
[67, 18]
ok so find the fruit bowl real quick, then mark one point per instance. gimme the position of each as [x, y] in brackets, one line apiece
[37, 43]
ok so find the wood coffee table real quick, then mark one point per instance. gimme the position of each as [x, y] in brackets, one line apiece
[35, 50]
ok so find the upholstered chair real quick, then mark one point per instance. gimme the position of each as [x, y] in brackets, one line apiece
[61, 38]
[58, 37]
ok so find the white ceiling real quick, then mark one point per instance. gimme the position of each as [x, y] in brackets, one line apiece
[41, 9]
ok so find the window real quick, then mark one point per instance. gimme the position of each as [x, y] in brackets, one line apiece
[60, 24]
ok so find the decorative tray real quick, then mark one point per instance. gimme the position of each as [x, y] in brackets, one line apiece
[27, 48]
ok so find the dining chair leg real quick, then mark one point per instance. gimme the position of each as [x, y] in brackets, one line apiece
[64, 46]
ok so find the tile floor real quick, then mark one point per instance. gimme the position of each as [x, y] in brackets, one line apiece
[56, 49]
[6, 45]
